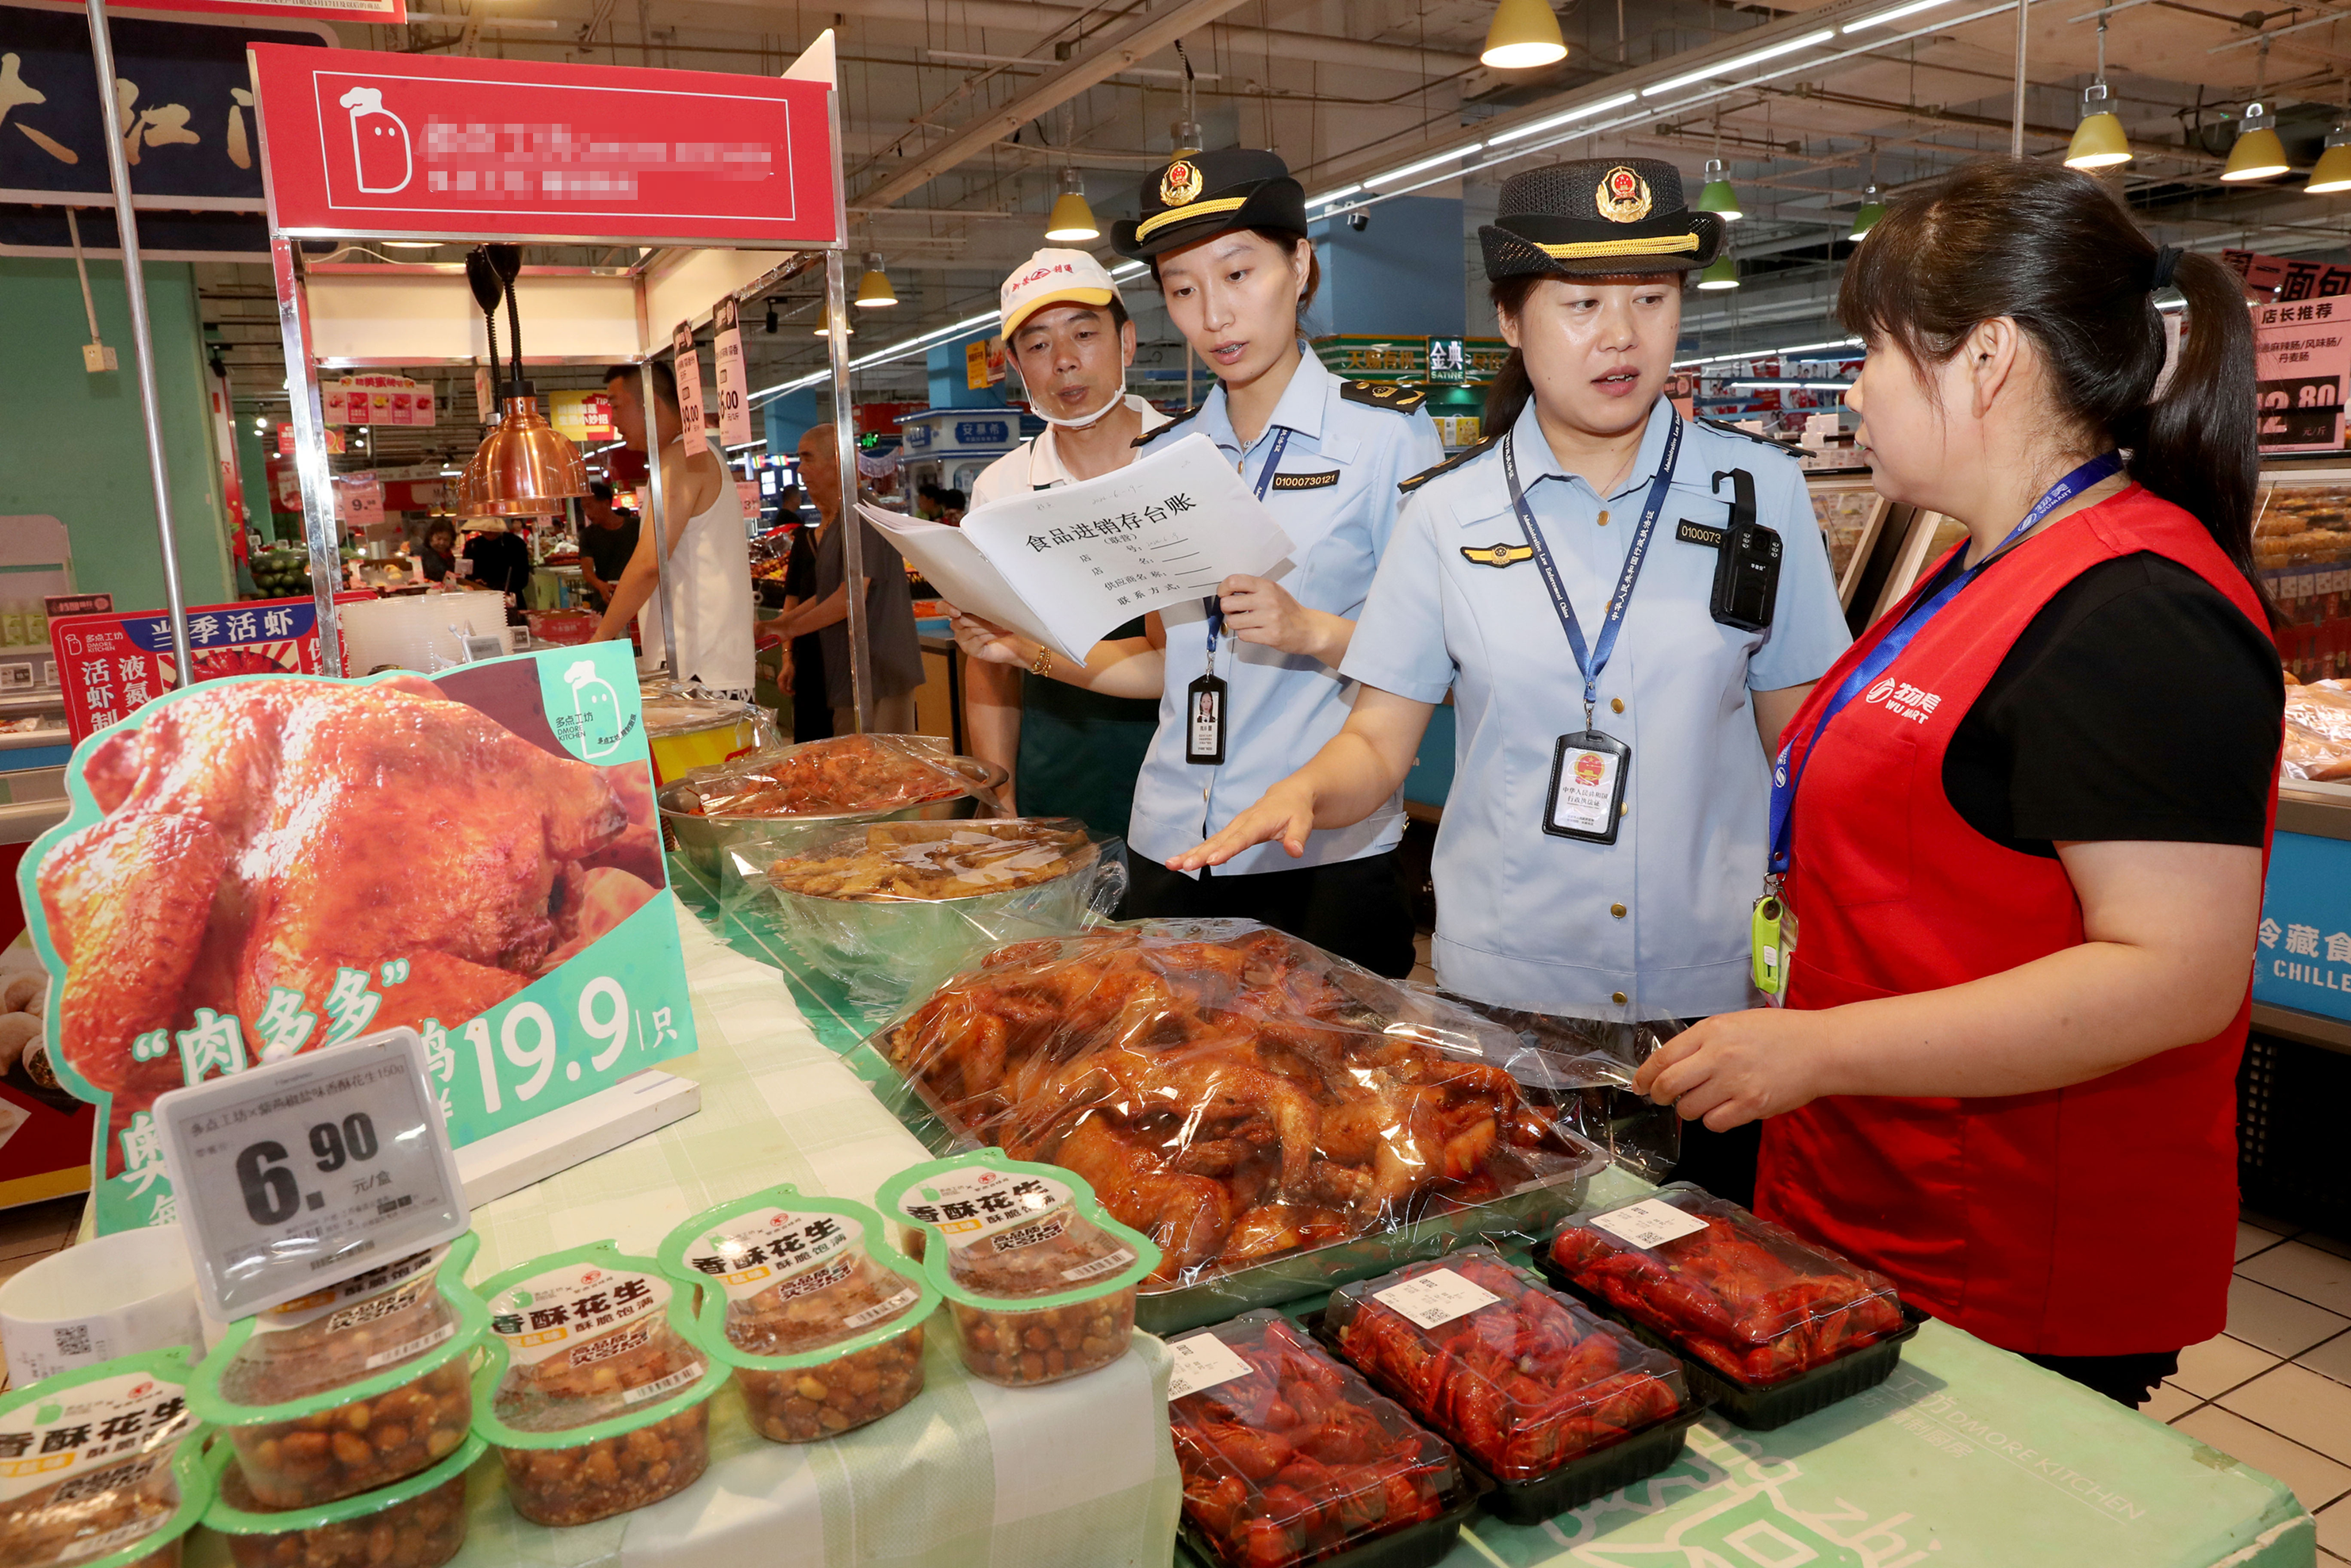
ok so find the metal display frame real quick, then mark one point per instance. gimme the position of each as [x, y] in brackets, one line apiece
[603, 316]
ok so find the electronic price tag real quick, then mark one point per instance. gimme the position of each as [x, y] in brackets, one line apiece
[294, 1175]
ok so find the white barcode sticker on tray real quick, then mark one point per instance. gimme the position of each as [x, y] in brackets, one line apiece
[1203, 1361]
[415, 1347]
[874, 1314]
[1435, 1299]
[1652, 1222]
[1110, 1264]
[658, 1386]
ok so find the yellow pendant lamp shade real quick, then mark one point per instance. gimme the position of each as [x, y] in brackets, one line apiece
[873, 290]
[1720, 273]
[529, 468]
[2333, 171]
[1523, 34]
[2098, 139]
[1072, 219]
[2258, 154]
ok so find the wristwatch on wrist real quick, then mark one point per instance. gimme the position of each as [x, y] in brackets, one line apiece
[1041, 665]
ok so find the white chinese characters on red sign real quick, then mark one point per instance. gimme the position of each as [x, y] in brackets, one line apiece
[111, 665]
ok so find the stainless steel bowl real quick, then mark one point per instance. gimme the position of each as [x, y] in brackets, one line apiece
[704, 839]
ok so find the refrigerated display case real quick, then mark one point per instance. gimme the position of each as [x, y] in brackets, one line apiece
[1852, 514]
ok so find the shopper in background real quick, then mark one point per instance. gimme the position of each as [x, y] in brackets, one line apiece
[608, 538]
[1643, 912]
[951, 507]
[930, 503]
[896, 663]
[707, 556]
[500, 554]
[804, 654]
[2024, 823]
[438, 555]
[1071, 752]
[1224, 235]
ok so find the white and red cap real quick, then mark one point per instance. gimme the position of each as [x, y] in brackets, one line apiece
[1052, 278]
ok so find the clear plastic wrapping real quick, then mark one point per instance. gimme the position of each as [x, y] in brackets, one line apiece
[360, 1386]
[97, 1467]
[827, 778]
[1736, 1292]
[1522, 1379]
[419, 1522]
[594, 1395]
[2317, 731]
[1288, 1456]
[819, 1317]
[1040, 1280]
[1241, 1097]
[891, 909]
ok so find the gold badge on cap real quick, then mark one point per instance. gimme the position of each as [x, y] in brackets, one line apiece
[1623, 197]
[1180, 183]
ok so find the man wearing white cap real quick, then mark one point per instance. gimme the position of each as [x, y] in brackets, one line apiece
[1071, 752]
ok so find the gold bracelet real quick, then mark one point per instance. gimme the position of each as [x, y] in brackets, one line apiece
[1042, 665]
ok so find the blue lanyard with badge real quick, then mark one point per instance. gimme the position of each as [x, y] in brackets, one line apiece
[1772, 938]
[1204, 703]
[1589, 769]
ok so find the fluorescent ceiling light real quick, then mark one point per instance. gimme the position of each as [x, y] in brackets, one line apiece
[1619, 101]
[914, 345]
[1409, 169]
[1885, 18]
[1741, 62]
[1343, 191]
[1792, 349]
[1799, 386]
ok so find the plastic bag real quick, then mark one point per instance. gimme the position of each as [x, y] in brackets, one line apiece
[356, 1386]
[1287, 1455]
[97, 1467]
[1040, 1280]
[2317, 732]
[1584, 1067]
[827, 778]
[891, 909]
[821, 1319]
[1240, 1096]
[594, 1395]
[1739, 1293]
[419, 1522]
[1521, 1378]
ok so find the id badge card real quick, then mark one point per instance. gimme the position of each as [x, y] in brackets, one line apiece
[1587, 787]
[1203, 721]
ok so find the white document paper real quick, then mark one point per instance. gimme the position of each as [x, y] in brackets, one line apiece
[1069, 565]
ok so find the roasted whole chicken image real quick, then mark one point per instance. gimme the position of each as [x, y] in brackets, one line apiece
[274, 836]
[1525, 1383]
[1297, 1460]
[1230, 1090]
[1742, 1295]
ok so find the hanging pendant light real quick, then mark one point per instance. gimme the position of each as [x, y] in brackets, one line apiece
[1867, 219]
[1523, 34]
[1072, 219]
[873, 290]
[527, 467]
[2258, 154]
[2333, 171]
[1720, 273]
[1718, 197]
[2098, 139]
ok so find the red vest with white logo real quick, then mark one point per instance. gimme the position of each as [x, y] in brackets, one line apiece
[2095, 1220]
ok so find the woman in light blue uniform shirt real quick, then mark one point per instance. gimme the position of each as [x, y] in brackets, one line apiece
[1535, 912]
[1225, 235]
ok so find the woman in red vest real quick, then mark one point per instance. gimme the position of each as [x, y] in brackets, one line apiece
[2021, 825]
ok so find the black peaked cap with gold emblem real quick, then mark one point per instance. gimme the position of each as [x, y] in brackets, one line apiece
[1204, 194]
[1598, 216]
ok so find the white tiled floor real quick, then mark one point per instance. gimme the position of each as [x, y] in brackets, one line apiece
[2275, 1391]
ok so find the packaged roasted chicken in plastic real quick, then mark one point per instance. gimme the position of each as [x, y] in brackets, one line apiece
[594, 1394]
[889, 909]
[1039, 1279]
[419, 1522]
[1288, 1456]
[351, 1387]
[819, 1317]
[2317, 732]
[778, 801]
[99, 1469]
[1275, 1118]
[1737, 1294]
[1522, 1379]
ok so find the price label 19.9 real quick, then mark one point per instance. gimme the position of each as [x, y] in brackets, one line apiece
[297, 1174]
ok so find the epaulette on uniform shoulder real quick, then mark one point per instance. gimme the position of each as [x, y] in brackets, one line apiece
[1148, 436]
[1383, 395]
[1728, 428]
[1459, 458]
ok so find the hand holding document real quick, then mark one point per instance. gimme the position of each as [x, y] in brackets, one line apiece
[1067, 566]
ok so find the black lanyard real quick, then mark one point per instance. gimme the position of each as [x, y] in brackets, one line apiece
[1591, 662]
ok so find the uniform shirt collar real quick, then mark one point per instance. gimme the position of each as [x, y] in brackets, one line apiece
[1537, 463]
[1300, 406]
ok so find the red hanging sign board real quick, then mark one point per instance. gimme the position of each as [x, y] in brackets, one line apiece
[387, 13]
[355, 141]
[111, 665]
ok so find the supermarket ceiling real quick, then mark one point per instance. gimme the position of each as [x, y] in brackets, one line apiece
[960, 115]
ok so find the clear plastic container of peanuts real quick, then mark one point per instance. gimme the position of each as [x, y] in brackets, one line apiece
[819, 1317]
[593, 1392]
[1040, 1279]
[419, 1522]
[99, 1467]
[348, 1389]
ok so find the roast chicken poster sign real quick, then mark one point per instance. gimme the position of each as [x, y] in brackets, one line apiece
[268, 865]
[355, 141]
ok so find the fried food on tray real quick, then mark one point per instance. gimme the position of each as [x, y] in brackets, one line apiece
[276, 835]
[825, 778]
[1234, 1099]
[936, 860]
[2317, 730]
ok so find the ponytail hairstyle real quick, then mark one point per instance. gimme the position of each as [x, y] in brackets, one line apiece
[1508, 393]
[2052, 249]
